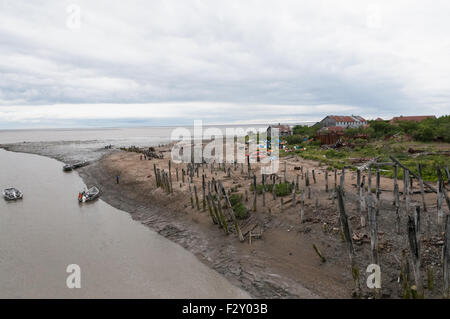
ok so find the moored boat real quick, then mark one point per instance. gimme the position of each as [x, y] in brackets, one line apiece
[67, 168]
[91, 194]
[12, 194]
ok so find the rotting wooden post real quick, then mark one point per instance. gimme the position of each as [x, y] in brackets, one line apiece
[362, 203]
[176, 170]
[422, 192]
[248, 165]
[182, 174]
[414, 249]
[203, 192]
[216, 211]
[326, 181]
[302, 206]
[210, 209]
[170, 176]
[230, 209]
[342, 181]
[297, 183]
[377, 192]
[263, 181]
[322, 258]
[397, 207]
[196, 197]
[395, 181]
[335, 178]
[417, 223]
[373, 230]
[348, 238]
[156, 175]
[223, 219]
[192, 198]
[446, 257]
[274, 194]
[229, 172]
[314, 176]
[255, 192]
[406, 190]
[309, 192]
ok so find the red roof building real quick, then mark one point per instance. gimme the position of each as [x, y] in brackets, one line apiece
[343, 121]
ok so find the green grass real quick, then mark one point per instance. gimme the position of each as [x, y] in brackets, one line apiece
[282, 189]
[340, 158]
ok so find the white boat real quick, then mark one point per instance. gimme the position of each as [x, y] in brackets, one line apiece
[91, 194]
[12, 194]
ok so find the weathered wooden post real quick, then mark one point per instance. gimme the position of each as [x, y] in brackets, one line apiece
[274, 195]
[446, 257]
[192, 198]
[176, 170]
[170, 176]
[413, 246]
[281, 203]
[422, 192]
[255, 192]
[348, 238]
[406, 191]
[203, 192]
[213, 218]
[395, 180]
[263, 190]
[156, 175]
[285, 171]
[302, 206]
[397, 207]
[314, 176]
[326, 181]
[230, 209]
[377, 191]
[297, 183]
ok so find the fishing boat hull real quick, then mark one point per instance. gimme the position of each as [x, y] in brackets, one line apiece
[89, 195]
[12, 194]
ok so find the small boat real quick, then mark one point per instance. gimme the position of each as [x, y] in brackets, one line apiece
[67, 168]
[80, 164]
[12, 194]
[91, 194]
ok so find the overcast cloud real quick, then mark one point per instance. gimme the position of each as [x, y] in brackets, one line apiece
[169, 62]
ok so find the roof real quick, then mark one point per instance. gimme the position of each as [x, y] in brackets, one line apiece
[353, 118]
[419, 118]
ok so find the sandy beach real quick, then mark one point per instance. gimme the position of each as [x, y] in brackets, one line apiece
[282, 262]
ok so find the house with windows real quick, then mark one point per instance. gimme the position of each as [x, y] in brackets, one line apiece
[352, 121]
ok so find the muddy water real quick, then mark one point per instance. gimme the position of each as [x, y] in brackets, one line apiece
[119, 258]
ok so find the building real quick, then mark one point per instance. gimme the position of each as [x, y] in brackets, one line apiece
[284, 130]
[352, 121]
[419, 118]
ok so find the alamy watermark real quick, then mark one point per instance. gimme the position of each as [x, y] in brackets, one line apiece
[237, 145]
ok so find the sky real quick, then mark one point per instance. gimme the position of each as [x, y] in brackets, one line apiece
[169, 62]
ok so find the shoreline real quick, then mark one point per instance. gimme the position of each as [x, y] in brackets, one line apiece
[283, 263]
